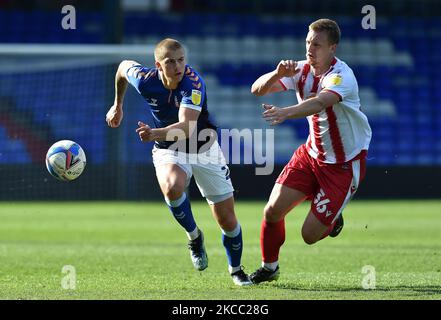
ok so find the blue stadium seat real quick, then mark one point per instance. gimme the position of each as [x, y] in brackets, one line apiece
[12, 151]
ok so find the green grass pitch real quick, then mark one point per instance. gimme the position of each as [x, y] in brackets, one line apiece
[129, 250]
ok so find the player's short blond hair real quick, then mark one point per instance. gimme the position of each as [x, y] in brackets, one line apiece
[330, 27]
[165, 46]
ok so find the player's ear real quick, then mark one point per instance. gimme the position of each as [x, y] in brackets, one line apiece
[158, 65]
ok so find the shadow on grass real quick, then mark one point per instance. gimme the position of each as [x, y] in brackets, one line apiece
[406, 289]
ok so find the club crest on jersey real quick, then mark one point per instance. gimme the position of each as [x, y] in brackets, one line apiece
[333, 80]
[196, 96]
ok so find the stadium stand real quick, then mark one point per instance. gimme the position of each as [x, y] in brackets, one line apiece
[231, 43]
[387, 61]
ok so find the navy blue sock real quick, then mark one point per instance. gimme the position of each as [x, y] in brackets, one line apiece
[232, 241]
[181, 210]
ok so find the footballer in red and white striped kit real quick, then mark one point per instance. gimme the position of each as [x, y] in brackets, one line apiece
[329, 167]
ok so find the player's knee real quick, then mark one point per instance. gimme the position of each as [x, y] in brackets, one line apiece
[308, 238]
[271, 213]
[172, 190]
[227, 222]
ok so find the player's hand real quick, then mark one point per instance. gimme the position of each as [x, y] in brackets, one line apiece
[114, 116]
[287, 68]
[144, 132]
[273, 114]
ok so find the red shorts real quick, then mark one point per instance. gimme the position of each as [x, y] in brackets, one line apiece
[329, 186]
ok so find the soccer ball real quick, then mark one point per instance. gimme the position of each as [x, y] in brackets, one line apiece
[65, 160]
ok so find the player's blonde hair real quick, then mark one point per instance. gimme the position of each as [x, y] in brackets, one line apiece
[165, 46]
[330, 27]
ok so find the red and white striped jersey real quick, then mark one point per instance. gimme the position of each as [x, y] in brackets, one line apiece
[340, 132]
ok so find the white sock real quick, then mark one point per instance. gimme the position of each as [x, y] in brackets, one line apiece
[193, 234]
[270, 265]
[233, 269]
[176, 203]
[233, 233]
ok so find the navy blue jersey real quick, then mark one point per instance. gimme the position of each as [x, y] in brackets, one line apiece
[165, 103]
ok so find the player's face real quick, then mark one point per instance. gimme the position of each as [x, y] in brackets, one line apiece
[173, 65]
[318, 49]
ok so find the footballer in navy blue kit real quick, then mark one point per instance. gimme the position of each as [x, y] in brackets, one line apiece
[165, 103]
[185, 146]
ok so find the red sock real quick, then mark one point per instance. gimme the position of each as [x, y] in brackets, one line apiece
[272, 236]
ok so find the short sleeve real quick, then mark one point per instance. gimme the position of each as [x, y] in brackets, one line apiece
[339, 83]
[288, 83]
[137, 76]
[193, 94]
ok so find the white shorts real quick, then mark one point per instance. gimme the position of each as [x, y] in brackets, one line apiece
[209, 168]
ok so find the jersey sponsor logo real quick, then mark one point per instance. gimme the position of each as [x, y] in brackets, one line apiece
[321, 202]
[196, 96]
[333, 80]
[176, 102]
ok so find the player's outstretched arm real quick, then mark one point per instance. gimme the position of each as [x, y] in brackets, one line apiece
[275, 115]
[269, 82]
[115, 113]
